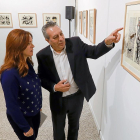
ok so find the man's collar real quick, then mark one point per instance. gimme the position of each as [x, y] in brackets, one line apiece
[56, 53]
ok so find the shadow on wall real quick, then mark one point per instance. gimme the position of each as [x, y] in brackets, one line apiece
[98, 100]
[111, 114]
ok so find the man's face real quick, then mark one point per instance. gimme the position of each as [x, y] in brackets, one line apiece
[56, 38]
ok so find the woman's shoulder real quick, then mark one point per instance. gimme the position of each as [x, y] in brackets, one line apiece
[9, 79]
[9, 73]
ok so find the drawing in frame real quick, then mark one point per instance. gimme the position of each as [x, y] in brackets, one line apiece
[6, 20]
[27, 20]
[80, 22]
[92, 25]
[85, 23]
[130, 59]
[55, 17]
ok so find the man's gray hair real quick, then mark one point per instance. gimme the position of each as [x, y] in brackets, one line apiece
[46, 26]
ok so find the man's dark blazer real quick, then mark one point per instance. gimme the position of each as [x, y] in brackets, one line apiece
[77, 52]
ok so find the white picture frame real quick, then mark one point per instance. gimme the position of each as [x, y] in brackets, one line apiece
[27, 20]
[6, 20]
[92, 25]
[80, 22]
[130, 59]
[85, 23]
[55, 17]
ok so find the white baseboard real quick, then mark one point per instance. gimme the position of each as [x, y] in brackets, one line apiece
[96, 122]
[94, 117]
[101, 136]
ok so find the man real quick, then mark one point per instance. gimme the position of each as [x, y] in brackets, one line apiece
[64, 72]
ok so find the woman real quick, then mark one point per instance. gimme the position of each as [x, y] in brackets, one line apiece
[21, 85]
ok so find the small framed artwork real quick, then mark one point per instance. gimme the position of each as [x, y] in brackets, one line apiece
[6, 20]
[85, 23]
[92, 25]
[27, 20]
[80, 22]
[130, 59]
[55, 17]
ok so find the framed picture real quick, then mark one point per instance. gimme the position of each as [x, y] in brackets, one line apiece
[80, 22]
[92, 25]
[130, 60]
[27, 20]
[55, 17]
[85, 23]
[6, 20]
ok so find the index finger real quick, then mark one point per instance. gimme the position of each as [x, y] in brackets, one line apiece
[117, 30]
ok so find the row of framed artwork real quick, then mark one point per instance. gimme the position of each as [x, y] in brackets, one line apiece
[83, 24]
[130, 59]
[28, 20]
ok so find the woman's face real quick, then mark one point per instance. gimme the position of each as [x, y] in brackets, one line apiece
[29, 50]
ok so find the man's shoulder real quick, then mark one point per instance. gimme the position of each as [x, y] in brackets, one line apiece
[42, 51]
[74, 38]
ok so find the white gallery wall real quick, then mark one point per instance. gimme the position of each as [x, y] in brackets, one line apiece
[121, 106]
[116, 105]
[96, 66]
[34, 6]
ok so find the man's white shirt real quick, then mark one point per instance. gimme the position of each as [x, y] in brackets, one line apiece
[64, 71]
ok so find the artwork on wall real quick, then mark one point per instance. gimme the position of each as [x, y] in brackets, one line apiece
[27, 20]
[6, 20]
[80, 22]
[92, 25]
[55, 17]
[84, 23]
[131, 40]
